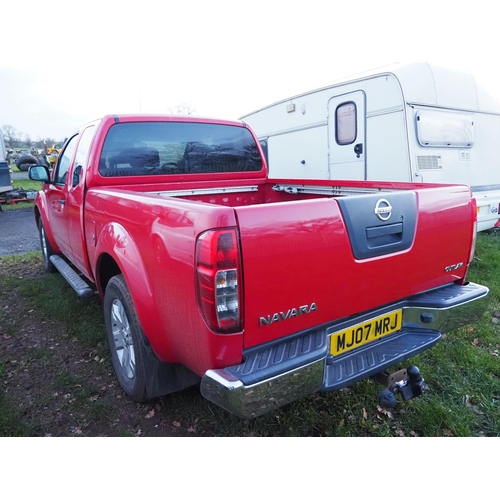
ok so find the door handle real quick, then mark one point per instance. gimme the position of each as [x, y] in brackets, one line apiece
[358, 150]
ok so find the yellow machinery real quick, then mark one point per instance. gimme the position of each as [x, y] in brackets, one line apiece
[53, 153]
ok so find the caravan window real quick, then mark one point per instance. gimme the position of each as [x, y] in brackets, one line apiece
[345, 123]
[437, 128]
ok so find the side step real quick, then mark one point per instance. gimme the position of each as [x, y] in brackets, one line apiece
[71, 276]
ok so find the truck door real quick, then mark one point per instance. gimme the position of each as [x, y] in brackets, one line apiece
[346, 136]
[75, 200]
[57, 197]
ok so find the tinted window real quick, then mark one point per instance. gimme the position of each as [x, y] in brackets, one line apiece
[151, 148]
[263, 145]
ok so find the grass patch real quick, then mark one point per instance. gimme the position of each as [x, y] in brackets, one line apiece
[77, 394]
[27, 184]
[11, 423]
[53, 297]
[18, 206]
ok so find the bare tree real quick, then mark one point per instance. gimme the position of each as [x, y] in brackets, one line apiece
[11, 136]
[184, 108]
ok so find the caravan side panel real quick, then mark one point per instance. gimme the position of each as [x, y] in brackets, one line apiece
[386, 133]
[294, 136]
[459, 145]
[301, 133]
[292, 149]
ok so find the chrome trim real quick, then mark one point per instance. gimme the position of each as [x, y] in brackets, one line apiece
[326, 190]
[447, 319]
[188, 192]
[227, 391]
[383, 213]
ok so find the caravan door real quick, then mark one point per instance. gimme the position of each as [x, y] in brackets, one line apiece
[346, 136]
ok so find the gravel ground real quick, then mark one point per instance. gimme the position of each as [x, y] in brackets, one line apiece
[18, 232]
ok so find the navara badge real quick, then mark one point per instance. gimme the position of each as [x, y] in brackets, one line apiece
[383, 209]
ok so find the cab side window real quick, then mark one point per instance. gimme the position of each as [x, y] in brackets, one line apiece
[81, 153]
[64, 161]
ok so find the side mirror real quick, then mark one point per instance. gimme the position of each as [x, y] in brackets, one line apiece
[39, 173]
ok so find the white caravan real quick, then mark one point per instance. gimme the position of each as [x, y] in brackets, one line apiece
[413, 122]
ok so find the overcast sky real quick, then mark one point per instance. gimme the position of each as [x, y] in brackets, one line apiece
[65, 63]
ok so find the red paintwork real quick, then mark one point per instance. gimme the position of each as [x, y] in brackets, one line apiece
[294, 249]
[303, 256]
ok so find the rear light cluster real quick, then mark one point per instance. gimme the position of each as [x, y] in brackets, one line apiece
[218, 279]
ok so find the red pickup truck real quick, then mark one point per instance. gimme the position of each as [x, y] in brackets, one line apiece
[262, 291]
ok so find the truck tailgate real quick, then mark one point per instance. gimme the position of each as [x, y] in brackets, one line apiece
[310, 262]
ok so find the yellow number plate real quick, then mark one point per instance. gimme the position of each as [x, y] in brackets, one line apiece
[363, 333]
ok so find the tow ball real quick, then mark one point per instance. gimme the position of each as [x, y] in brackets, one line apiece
[408, 382]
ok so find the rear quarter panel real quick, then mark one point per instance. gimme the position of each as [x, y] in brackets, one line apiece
[153, 242]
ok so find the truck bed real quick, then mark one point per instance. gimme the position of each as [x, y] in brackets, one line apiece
[298, 250]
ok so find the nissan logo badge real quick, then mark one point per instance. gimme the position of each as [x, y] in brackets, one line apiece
[383, 209]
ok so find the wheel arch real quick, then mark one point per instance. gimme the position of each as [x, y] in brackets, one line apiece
[118, 254]
[40, 212]
[36, 212]
[162, 375]
[106, 268]
[151, 376]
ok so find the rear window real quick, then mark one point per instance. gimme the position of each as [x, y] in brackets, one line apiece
[153, 148]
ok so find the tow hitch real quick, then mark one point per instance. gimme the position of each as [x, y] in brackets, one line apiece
[408, 382]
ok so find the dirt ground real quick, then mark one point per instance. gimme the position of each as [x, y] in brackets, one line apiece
[54, 387]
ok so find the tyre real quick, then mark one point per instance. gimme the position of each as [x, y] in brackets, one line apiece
[25, 161]
[126, 340]
[47, 250]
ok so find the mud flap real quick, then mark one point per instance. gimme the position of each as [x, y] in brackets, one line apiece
[165, 378]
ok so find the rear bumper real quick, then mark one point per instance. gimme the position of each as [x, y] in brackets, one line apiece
[281, 372]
